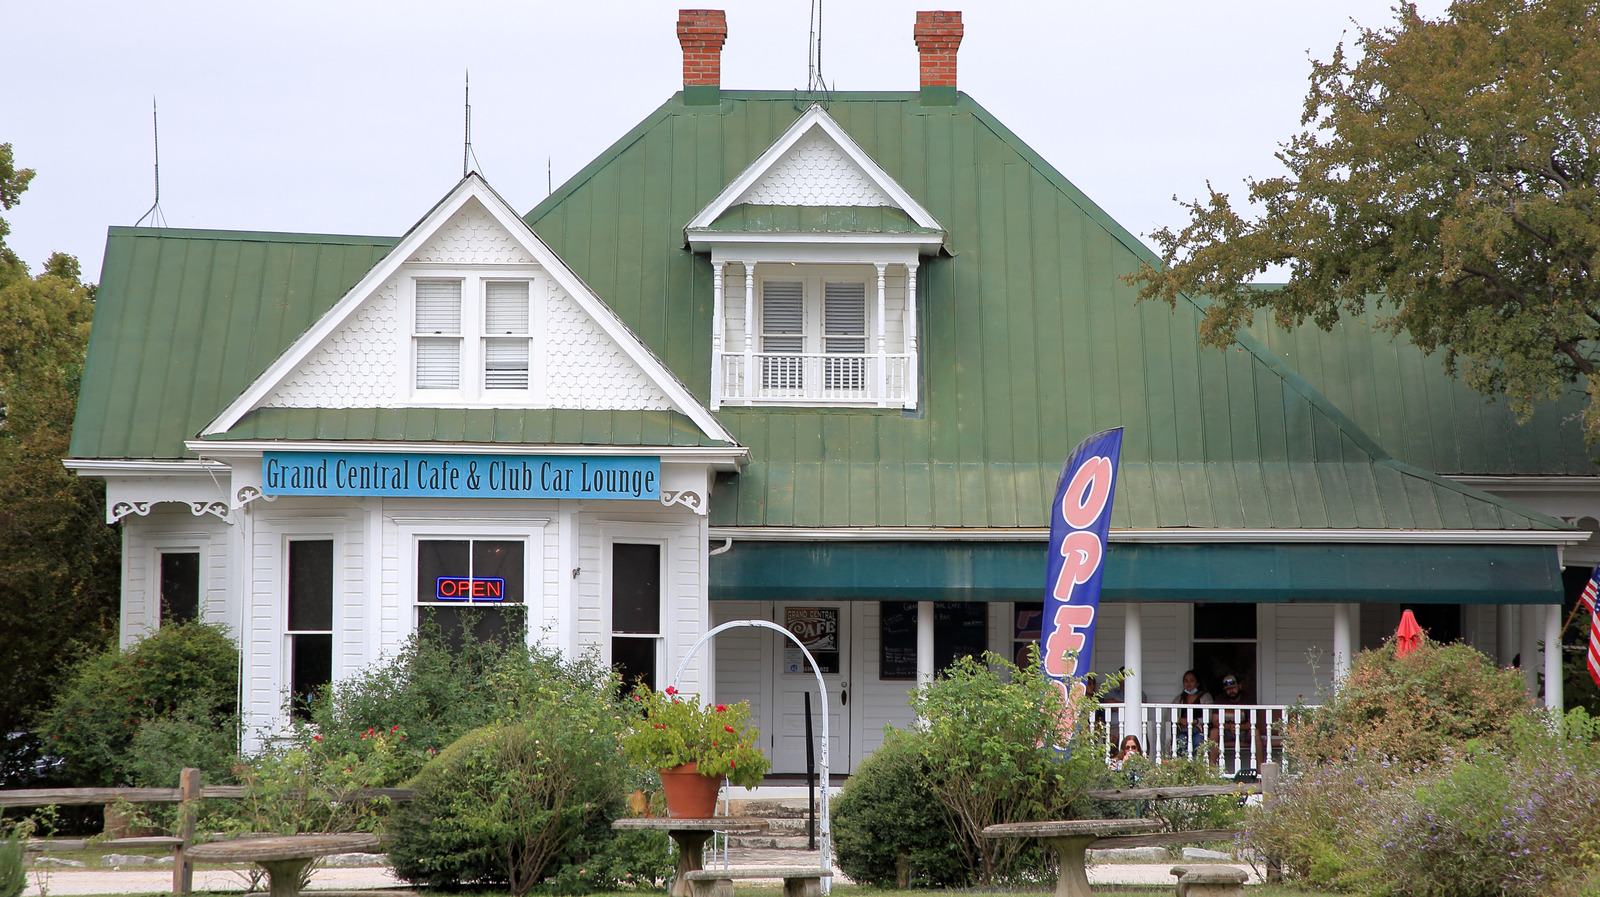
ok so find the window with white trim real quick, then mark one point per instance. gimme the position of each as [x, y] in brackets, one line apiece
[636, 637]
[471, 336]
[815, 333]
[471, 589]
[310, 621]
[813, 336]
[180, 586]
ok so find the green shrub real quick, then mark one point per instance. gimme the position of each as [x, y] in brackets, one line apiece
[1185, 814]
[516, 803]
[189, 670]
[887, 811]
[13, 875]
[437, 694]
[302, 783]
[1412, 708]
[989, 724]
[186, 737]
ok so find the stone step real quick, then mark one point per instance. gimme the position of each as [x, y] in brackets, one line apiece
[770, 842]
[787, 808]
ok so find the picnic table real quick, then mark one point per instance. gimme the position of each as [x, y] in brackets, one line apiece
[284, 858]
[691, 836]
[1069, 839]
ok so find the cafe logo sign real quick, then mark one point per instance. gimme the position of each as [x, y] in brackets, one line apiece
[461, 476]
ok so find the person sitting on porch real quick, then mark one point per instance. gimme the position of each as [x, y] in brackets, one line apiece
[1130, 748]
[1191, 727]
[1235, 738]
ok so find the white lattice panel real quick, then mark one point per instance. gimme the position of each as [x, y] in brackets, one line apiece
[357, 366]
[472, 236]
[586, 368]
[815, 172]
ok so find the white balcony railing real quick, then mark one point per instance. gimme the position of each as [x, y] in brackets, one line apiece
[816, 377]
[1232, 737]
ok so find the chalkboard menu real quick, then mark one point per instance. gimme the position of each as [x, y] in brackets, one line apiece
[897, 640]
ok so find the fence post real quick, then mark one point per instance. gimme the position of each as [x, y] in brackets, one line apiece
[188, 809]
[1270, 781]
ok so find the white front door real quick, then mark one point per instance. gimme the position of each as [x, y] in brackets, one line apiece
[824, 627]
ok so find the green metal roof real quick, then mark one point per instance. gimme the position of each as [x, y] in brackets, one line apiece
[1029, 342]
[185, 320]
[507, 426]
[1420, 413]
[746, 218]
[1210, 572]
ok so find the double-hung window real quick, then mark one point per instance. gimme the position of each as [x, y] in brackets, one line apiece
[438, 334]
[471, 337]
[310, 623]
[471, 589]
[636, 637]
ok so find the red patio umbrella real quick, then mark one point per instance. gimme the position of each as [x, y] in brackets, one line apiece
[1408, 637]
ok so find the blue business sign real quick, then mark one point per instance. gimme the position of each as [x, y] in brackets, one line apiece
[460, 476]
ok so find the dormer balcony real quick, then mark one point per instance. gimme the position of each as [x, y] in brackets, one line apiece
[829, 334]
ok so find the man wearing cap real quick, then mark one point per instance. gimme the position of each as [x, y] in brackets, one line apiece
[1238, 733]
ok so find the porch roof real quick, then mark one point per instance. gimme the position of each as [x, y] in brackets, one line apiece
[1252, 572]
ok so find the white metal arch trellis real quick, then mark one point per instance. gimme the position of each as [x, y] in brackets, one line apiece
[825, 839]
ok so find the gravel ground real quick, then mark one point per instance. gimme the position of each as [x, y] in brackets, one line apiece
[66, 882]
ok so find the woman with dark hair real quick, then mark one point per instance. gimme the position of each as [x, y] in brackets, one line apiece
[1191, 727]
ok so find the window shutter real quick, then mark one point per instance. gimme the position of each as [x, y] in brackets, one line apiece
[505, 364]
[783, 316]
[844, 318]
[438, 363]
[506, 309]
[439, 307]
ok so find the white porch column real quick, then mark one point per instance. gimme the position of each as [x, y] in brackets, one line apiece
[719, 326]
[924, 642]
[1554, 697]
[750, 379]
[1529, 649]
[911, 335]
[1505, 641]
[1342, 642]
[883, 358]
[1133, 683]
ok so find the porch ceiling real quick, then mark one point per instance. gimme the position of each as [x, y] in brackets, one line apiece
[1217, 572]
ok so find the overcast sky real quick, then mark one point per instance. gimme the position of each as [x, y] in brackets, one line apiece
[346, 117]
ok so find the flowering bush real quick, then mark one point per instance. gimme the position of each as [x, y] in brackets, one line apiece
[671, 730]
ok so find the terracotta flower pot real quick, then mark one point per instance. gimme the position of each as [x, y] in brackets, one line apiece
[689, 794]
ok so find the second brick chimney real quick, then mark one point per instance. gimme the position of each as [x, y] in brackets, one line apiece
[938, 35]
[701, 33]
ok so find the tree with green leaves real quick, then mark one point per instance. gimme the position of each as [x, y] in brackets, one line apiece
[58, 559]
[1448, 175]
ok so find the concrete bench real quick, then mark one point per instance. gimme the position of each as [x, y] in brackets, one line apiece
[1209, 881]
[798, 881]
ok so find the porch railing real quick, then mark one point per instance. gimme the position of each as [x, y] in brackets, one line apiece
[1232, 737]
[815, 376]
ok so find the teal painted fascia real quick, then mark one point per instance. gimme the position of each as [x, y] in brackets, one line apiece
[1250, 572]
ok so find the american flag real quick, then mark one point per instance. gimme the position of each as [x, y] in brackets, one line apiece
[1590, 593]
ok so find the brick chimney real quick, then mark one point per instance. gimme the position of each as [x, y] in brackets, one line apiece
[701, 32]
[938, 35]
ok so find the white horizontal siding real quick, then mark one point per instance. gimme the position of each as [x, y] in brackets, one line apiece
[1304, 653]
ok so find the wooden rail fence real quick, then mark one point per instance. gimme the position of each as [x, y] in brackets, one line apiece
[188, 792]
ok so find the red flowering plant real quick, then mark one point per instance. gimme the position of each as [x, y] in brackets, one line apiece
[671, 729]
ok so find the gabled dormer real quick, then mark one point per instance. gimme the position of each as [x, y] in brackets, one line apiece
[814, 252]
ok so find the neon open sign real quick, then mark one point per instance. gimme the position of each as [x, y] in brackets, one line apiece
[464, 588]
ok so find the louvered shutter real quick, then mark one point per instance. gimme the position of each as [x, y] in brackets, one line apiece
[782, 334]
[438, 329]
[506, 308]
[505, 352]
[844, 332]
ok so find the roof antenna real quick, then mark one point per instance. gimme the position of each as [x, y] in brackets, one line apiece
[466, 146]
[814, 79]
[549, 178]
[157, 219]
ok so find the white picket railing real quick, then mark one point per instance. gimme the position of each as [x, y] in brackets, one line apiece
[815, 376]
[1232, 737]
